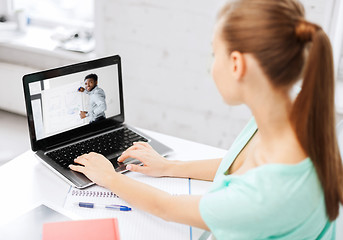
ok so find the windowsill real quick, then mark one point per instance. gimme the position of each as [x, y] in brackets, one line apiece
[35, 48]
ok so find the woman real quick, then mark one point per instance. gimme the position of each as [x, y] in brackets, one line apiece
[283, 176]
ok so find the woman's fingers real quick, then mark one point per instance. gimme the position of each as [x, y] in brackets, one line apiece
[153, 163]
[136, 153]
[124, 154]
[136, 168]
[77, 168]
[81, 159]
[96, 167]
[135, 147]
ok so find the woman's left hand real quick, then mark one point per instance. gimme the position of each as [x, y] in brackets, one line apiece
[96, 167]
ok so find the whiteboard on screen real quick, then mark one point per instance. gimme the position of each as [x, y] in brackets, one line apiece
[61, 108]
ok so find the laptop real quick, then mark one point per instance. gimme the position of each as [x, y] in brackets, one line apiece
[77, 109]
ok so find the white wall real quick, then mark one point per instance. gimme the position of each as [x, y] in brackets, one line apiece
[166, 52]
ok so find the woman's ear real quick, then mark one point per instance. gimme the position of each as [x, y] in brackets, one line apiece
[238, 65]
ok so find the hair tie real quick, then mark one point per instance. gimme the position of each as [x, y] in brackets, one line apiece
[305, 31]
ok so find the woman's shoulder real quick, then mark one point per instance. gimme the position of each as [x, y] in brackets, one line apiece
[275, 180]
[272, 199]
[274, 188]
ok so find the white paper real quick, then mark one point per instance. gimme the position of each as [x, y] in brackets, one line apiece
[136, 223]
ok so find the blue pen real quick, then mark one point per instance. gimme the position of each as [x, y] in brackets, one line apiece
[112, 206]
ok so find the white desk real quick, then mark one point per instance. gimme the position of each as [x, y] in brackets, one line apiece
[25, 182]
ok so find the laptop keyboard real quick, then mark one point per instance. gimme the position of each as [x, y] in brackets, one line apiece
[110, 144]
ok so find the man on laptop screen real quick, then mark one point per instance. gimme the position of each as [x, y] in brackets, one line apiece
[97, 100]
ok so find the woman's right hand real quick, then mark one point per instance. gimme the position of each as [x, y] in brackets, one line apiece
[153, 164]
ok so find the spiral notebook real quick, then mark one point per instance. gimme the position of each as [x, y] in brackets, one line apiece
[135, 223]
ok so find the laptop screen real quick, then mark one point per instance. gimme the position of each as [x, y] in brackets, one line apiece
[68, 98]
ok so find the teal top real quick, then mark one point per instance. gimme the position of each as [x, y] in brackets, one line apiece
[272, 201]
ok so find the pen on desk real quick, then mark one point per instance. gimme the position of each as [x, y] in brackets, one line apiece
[111, 206]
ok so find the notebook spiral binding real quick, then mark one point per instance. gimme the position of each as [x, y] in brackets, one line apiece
[86, 193]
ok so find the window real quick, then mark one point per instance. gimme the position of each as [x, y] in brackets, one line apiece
[51, 13]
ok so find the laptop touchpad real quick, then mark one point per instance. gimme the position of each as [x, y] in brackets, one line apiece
[121, 167]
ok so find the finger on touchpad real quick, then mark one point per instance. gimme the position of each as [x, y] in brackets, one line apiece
[121, 168]
[132, 161]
